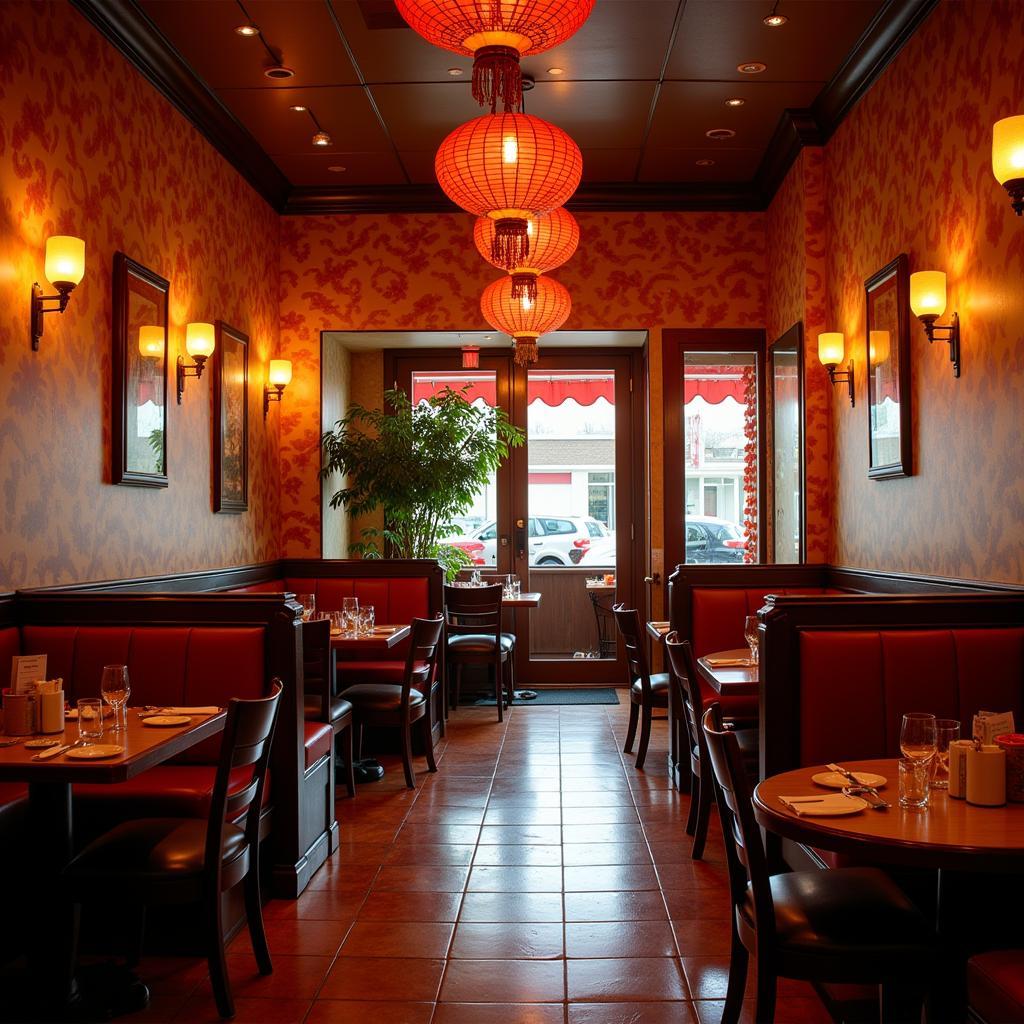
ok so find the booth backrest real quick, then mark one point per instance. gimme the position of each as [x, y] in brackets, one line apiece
[855, 686]
[10, 645]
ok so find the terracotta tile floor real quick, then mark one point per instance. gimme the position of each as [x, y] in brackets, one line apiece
[538, 878]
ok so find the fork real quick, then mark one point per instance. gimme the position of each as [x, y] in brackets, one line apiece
[879, 805]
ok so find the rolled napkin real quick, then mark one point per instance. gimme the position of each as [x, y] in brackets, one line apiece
[186, 711]
[719, 661]
[808, 806]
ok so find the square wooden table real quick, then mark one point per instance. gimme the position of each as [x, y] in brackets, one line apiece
[379, 642]
[731, 680]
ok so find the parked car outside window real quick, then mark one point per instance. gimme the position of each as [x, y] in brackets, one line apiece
[553, 540]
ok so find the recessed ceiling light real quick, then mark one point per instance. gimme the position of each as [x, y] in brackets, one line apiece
[321, 139]
[751, 67]
[705, 163]
[247, 30]
[299, 108]
[735, 102]
[278, 71]
[556, 71]
[719, 133]
[337, 168]
[456, 72]
[775, 20]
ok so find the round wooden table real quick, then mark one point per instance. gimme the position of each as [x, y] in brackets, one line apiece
[950, 834]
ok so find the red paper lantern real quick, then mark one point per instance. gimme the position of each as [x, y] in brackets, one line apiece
[553, 239]
[524, 318]
[508, 167]
[496, 33]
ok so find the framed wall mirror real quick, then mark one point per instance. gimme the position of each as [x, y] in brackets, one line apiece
[139, 368]
[888, 363]
[786, 446]
[230, 420]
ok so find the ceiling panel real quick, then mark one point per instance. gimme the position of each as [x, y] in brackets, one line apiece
[681, 164]
[686, 110]
[360, 168]
[344, 113]
[716, 35]
[302, 31]
[608, 115]
[419, 165]
[419, 117]
[610, 164]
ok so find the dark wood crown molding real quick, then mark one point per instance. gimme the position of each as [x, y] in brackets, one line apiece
[127, 26]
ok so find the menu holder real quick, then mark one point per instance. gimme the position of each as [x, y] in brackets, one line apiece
[988, 725]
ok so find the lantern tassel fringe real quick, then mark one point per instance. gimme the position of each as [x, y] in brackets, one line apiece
[524, 286]
[525, 351]
[497, 77]
[511, 245]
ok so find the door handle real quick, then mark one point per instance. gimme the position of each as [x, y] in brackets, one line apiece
[653, 581]
[520, 533]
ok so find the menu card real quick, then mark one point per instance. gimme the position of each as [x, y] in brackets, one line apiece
[28, 669]
[990, 724]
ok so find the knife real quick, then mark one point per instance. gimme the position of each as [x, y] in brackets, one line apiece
[853, 780]
[52, 752]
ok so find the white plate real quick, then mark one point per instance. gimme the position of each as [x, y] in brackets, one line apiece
[833, 780]
[828, 808]
[96, 752]
[42, 744]
[166, 721]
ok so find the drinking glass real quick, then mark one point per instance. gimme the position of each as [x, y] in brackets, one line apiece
[917, 737]
[308, 602]
[115, 689]
[349, 615]
[751, 635]
[337, 623]
[90, 720]
[946, 731]
[913, 774]
[366, 617]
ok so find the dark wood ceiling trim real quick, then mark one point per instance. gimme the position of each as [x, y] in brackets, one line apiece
[588, 198]
[127, 26]
[796, 129]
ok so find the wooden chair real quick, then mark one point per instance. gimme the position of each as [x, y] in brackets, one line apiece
[401, 705]
[189, 860]
[844, 925]
[321, 702]
[687, 695]
[646, 691]
[474, 637]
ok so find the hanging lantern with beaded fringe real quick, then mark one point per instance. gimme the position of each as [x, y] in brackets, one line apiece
[553, 239]
[508, 167]
[524, 318]
[496, 34]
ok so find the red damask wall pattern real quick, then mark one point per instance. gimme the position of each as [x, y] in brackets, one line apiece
[87, 147]
[910, 171]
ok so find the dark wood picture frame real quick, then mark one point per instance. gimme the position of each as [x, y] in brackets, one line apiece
[230, 420]
[887, 345]
[135, 461]
[789, 341]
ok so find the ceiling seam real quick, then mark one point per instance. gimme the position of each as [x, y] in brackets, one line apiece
[366, 89]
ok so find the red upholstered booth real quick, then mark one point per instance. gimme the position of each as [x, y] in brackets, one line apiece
[995, 986]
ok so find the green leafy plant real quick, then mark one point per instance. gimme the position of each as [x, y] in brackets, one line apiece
[423, 464]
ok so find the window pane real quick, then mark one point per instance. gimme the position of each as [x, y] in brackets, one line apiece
[720, 456]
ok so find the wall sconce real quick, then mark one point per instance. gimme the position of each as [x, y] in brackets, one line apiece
[928, 301]
[151, 342]
[1008, 158]
[199, 344]
[64, 268]
[830, 351]
[279, 376]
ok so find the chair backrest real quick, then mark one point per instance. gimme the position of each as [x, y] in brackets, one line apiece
[245, 743]
[631, 630]
[421, 661]
[475, 610]
[684, 679]
[743, 847]
[317, 663]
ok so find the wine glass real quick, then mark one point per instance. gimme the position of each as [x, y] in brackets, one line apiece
[115, 689]
[308, 602]
[350, 615]
[917, 737]
[750, 633]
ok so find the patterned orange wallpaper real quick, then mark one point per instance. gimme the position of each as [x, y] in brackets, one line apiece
[909, 171]
[422, 272]
[87, 147]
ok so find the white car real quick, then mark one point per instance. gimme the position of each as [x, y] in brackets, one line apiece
[553, 540]
[600, 554]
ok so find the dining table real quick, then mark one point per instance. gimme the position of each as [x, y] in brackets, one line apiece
[730, 673]
[51, 824]
[379, 641]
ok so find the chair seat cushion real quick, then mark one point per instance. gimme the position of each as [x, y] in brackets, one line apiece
[150, 848]
[659, 688]
[339, 708]
[379, 697]
[351, 672]
[180, 790]
[858, 917]
[479, 642]
[995, 986]
[317, 741]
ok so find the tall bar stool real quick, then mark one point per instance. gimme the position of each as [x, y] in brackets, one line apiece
[646, 691]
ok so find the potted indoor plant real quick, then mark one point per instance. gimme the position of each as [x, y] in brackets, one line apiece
[422, 463]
